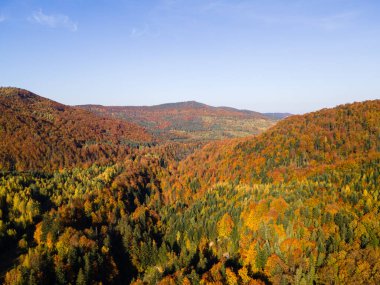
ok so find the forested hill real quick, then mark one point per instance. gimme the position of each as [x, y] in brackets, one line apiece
[296, 147]
[190, 121]
[40, 134]
[298, 204]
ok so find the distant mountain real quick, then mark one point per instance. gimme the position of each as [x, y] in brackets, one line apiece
[277, 116]
[37, 133]
[189, 121]
[180, 105]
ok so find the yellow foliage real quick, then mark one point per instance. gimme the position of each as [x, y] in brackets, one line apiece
[225, 226]
[167, 281]
[105, 249]
[249, 257]
[231, 277]
[274, 267]
[280, 231]
[38, 233]
[243, 273]
[49, 241]
[13, 277]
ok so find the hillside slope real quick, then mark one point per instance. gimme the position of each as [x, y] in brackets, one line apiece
[189, 121]
[37, 133]
[296, 147]
[298, 204]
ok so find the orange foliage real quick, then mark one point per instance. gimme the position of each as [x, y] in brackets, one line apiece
[40, 134]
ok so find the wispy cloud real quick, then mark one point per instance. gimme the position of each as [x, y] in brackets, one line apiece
[2, 18]
[139, 32]
[170, 3]
[327, 23]
[336, 21]
[53, 20]
[273, 15]
[146, 30]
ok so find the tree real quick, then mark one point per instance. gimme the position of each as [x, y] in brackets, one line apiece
[81, 278]
[225, 226]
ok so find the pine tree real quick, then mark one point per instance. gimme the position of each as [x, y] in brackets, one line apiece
[81, 278]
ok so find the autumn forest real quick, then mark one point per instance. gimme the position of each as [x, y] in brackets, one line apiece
[187, 194]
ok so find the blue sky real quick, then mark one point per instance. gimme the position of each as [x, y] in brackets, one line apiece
[265, 55]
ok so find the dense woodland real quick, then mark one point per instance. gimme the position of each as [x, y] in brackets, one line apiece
[298, 204]
[37, 133]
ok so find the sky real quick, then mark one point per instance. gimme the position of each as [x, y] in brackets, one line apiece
[291, 56]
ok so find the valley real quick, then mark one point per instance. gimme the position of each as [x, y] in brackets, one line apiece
[186, 193]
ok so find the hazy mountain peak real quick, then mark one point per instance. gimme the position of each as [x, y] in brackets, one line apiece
[184, 104]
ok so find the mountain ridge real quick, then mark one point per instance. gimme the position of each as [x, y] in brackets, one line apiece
[181, 105]
[39, 133]
[188, 121]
